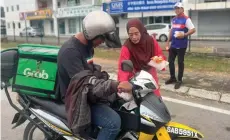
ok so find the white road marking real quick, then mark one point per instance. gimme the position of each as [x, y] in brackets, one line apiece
[218, 110]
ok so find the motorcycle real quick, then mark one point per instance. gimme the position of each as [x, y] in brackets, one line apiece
[144, 117]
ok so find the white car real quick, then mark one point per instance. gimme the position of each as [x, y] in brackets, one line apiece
[31, 31]
[159, 30]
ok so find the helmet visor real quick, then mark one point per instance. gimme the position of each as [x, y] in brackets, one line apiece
[112, 40]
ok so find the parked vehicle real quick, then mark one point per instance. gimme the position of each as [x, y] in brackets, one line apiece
[159, 30]
[31, 31]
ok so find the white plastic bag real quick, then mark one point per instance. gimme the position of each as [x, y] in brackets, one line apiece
[125, 96]
[158, 66]
[177, 33]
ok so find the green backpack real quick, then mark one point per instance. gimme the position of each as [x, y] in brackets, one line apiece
[36, 71]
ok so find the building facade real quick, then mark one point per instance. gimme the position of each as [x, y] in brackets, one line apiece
[70, 17]
[12, 10]
[64, 17]
[210, 17]
[148, 11]
[3, 23]
[53, 17]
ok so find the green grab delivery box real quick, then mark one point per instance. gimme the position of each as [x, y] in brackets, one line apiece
[36, 70]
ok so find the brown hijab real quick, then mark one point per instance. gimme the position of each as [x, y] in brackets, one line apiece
[142, 51]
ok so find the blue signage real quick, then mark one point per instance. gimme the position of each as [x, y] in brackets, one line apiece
[125, 6]
[117, 7]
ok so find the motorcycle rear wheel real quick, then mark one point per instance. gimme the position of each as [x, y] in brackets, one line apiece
[30, 129]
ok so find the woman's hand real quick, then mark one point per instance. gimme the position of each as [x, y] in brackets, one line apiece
[157, 59]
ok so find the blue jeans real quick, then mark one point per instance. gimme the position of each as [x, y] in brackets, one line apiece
[108, 119]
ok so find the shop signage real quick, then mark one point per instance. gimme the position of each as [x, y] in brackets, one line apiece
[39, 14]
[126, 6]
[76, 11]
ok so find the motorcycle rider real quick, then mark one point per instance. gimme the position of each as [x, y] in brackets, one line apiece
[76, 55]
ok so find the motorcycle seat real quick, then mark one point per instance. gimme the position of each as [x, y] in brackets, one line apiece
[51, 106]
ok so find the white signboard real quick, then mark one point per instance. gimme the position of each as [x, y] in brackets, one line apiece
[76, 11]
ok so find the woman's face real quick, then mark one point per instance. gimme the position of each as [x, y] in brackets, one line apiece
[134, 35]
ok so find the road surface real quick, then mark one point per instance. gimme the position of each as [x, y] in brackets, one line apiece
[209, 117]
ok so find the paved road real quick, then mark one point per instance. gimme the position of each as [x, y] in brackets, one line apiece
[190, 111]
[52, 40]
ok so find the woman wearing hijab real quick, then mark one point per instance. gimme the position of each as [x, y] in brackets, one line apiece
[140, 48]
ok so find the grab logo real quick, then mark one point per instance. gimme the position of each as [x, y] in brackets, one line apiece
[41, 75]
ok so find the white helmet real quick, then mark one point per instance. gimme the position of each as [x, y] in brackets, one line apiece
[100, 23]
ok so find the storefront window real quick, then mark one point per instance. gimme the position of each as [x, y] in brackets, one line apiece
[19, 25]
[158, 19]
[61, 25]
[151, 20]
[79, 24]
[73, 2]
[34, 23]
[59, 4]
[167, 19]
[144, 20]
[51, 26]
[72, 26]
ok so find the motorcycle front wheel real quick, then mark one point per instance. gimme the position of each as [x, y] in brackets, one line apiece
[181, 139]
[186, 139]
[31, 132]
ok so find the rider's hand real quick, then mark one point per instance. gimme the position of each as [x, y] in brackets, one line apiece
[125, 86]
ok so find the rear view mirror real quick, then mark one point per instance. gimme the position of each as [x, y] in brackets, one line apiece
[127, 65]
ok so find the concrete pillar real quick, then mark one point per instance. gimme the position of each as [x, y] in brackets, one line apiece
[122, 28]
[186, 7]
[55, 21]
[195, 21]
[66, 26]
